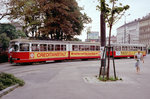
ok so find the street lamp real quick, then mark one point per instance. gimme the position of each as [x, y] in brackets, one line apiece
[125, 27]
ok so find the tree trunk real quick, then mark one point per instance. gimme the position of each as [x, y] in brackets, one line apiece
[109, 52]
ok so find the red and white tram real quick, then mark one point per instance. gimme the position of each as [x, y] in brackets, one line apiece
[127, 50]
[28, 51]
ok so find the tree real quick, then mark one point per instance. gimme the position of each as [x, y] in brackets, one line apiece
[113, 11]
[76, 39]
[4, 11]
[4, 41]
[29, 13]
[11, 31]
[54, 19]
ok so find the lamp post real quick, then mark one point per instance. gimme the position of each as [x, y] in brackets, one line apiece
[125, 28]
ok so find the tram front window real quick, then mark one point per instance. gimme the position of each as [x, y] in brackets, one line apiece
[13, 48]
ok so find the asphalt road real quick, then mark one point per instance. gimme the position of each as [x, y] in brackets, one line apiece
[65, 81]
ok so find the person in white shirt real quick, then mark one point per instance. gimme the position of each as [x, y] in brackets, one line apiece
[138, 57]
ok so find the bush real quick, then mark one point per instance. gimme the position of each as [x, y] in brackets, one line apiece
[7, 80]
[3, 57]
[110, 79]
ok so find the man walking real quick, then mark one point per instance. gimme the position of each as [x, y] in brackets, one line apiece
[138, 57]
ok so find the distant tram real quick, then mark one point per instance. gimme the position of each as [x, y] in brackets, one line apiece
[127, 50]
[29, 51]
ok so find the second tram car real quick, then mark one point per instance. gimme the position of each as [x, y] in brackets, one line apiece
[127, 50]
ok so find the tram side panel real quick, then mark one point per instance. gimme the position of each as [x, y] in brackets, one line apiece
[119, 54]
[18, 57]
[83, 52]
[24, 57]
[45, 56]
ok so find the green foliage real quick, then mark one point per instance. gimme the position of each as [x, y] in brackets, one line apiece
[110, 79]
[4, 41]
[54, 19]
[113, 11]
[11, 31]
[8, 29]
[7, 33]
[7, 80]
[3, 57]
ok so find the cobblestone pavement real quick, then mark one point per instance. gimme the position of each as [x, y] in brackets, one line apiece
[65, 81]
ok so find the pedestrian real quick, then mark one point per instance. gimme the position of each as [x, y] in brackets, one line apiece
[138, 57]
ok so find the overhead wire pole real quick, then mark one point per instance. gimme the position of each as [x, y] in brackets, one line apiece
[103, 36]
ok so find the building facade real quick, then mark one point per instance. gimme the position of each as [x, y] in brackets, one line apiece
[93, 36]
[113, 39]
[128, 33]
[145, 31]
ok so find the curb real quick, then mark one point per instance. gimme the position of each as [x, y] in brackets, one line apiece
[7, 90]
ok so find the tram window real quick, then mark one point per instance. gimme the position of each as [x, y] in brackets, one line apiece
[57, 47]
[126, 48]
[115, 48]
[35, 47]
[24, 47]
[50, 47]
[138, 48]
[14, 48]
[123, 48]
[75, 47]
[144, 48]
[63, 47]
[131, 48]
[92, 48]
[141, 48]
[134, 48]
[43, 47]
[97, 48]
[81, 47]
[87, 48]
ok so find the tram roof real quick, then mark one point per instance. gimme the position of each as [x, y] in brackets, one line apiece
[49, 41]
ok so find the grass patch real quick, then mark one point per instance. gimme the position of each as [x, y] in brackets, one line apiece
[110, 78]
[7, 80]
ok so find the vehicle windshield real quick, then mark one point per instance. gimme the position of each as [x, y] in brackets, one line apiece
[13, 47]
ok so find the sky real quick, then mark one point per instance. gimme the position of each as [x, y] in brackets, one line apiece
[138, 9]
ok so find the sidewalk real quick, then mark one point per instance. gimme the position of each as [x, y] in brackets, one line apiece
[65, 81]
